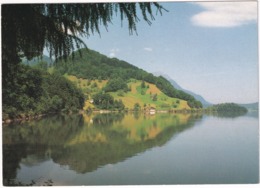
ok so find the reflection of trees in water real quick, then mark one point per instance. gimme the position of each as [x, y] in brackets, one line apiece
[136, 114]
[12, 155]
[228, 114]
[107, 119]
[34, 138]
[68, 140]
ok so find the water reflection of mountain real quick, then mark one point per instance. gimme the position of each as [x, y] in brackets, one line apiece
[85, 143]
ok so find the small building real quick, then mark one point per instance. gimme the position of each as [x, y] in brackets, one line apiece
[152, 110]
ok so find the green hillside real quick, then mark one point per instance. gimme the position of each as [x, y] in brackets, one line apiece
[95, 73]
[149, 96]
[91, 81]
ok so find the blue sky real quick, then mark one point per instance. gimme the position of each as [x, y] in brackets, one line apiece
[208, 48]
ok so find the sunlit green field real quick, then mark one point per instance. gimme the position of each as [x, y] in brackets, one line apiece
[146, 97]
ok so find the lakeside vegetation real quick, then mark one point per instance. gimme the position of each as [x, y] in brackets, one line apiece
[35, 92]
[227, 110]
[95, 82]
[227, 107]
[91, 81]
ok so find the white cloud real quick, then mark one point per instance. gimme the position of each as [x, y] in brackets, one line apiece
[225, 14]
[148, 49]
[113, 52]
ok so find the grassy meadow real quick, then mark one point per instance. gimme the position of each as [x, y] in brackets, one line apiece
[146, 96]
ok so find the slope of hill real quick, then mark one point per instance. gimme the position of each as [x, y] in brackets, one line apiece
[92, 65]
[144, 98]
[198, 97]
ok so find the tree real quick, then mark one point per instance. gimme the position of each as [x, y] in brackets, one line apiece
[154, 98]
[103, 101]
[143, 84]
[29, 28]
[106, 101]
[137, 107]
[34, 91]
[116, 84]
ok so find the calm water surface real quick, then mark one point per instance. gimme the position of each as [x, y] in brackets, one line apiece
[123, 149]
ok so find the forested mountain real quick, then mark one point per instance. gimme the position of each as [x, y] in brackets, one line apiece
[93, 65]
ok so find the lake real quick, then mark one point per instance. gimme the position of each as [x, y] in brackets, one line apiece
[132, 149]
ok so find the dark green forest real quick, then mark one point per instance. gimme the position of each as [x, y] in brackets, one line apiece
[227, 110]
[106, 101]
[34, 91]
[226, 107]
[89, 64]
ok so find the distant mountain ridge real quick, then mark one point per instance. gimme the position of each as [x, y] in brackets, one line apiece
[251, 106]
[204, 102]
[36, 60]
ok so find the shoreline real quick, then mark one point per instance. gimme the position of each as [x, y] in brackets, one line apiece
[23, 118]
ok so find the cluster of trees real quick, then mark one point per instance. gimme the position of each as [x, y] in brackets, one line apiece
[33, 91]
[195, 103]
[93, 65]
[116, 84]
[107, 102]
[227, 110]
[227, 107]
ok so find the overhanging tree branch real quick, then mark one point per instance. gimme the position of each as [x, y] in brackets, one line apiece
[29, 28]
